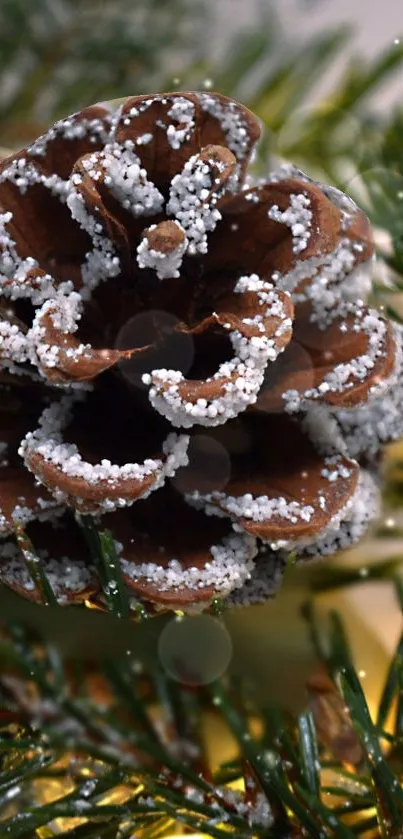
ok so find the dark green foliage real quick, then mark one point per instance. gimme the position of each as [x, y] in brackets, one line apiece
[51, 713]
[57, 56]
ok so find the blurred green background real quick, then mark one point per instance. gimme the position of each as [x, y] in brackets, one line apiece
[322, 103]
[319, 96]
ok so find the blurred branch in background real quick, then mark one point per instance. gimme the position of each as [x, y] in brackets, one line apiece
[57, 56]
[331, 136]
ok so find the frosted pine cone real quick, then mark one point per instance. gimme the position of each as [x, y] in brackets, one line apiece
[186, 356]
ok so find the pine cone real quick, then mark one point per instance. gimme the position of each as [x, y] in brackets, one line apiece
[168, 324]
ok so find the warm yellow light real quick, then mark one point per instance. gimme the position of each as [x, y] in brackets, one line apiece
[120, 794]
[94, 606]
[188, 836]
[52, 789]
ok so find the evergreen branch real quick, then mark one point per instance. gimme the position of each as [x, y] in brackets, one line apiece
[103, 552]
[35, 567]
[281, 769]
[61, 61]
[309, 752]
[391, 687]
